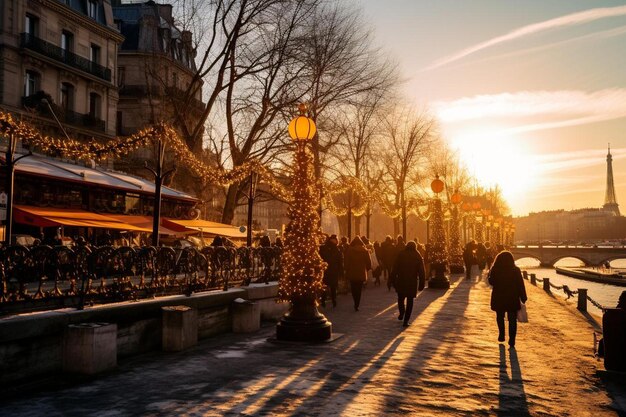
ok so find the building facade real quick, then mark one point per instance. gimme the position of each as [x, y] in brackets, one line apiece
[58, 58]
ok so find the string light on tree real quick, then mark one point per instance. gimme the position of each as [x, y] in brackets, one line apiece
[438, 255]
[301, 280]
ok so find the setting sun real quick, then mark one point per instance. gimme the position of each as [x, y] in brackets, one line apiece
[497, 160]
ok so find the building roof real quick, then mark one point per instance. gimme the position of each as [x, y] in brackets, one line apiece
[47, 167]
[149, 27]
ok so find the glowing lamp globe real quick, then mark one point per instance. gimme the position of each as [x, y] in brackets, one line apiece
[436, 186]
[456, 198]
[302, 128]
[466, 206]
[476, 205]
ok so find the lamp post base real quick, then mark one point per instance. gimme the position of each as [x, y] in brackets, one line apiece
[304, 324]
[440, 280]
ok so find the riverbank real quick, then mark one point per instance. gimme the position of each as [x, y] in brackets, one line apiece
[448, 362]
[588, 274]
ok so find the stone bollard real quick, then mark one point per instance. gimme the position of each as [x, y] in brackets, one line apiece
[246, 316]
[533, 279]
[525, 275]
[582, 299]
[180, 328]
[546, 284]
[89, 348]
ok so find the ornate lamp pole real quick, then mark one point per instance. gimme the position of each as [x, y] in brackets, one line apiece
[301, 280]
[438, 249]
[10, 161]
[456, 251]
[159, 176]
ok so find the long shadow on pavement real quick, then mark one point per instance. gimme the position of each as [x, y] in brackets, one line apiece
[512, 397]
[369, 343]
[399, 394]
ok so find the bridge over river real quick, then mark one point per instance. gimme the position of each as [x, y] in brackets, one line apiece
[550, 255]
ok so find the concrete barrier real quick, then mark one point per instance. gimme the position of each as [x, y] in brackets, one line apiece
[180, 328]
[90, 348]
[246, 316]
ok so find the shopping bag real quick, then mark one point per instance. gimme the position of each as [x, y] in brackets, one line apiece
[522, 314]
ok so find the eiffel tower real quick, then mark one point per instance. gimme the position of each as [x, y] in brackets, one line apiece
[610, 202]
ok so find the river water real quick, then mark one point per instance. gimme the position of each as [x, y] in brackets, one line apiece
[605, 294]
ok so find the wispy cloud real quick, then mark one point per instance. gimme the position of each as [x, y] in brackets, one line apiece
[563, 21]
[571, 161]
[568, 107]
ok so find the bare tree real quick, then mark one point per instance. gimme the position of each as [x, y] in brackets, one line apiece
[358, 126]
[409, 137]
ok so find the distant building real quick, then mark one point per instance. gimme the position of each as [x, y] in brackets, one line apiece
[155, 67]
[590, 224]
[63, 55]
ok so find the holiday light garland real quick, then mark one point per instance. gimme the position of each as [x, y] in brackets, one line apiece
[302, 265]
[455, 249]
[438, 250]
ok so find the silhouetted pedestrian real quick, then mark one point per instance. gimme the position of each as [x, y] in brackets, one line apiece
[357, 262]
[331, 254]
[408, 277]
[469, 257]
[508, 291]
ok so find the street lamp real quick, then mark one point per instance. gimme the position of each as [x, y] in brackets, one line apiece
[159, 176]
[456, 251]
[438, 256]
[254, 180]
[301, 279]
[11, 161]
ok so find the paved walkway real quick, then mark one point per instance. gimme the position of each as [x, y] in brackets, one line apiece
[447, 362]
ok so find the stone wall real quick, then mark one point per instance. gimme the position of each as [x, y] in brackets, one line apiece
[31, 346]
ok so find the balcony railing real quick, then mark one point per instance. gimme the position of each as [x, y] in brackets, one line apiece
[57, 53]
[86, 121]
[142, 91]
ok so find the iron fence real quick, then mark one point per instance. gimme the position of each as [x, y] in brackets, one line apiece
[45, 277]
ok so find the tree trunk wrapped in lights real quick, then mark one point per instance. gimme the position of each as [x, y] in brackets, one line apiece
[479, 231]
[438, 250]
[301, 280]
[456, 251]
[302, 265]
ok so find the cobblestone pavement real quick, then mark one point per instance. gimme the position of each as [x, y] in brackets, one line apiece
[447, 362]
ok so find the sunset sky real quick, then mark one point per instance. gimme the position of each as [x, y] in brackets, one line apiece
[530, 92]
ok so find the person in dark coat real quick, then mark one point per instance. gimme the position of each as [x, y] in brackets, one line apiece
[469, 257]
[387, 250]
[357, 262]
[481, 256]
[408, 277]
[331, 254]
[508, 291]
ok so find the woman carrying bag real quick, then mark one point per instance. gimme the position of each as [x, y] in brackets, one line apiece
[508, 291]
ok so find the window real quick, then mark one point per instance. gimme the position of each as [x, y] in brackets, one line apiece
[31, 83]
[94, 54]
[67, 97]
[119, 129]
[121, 76]
[31, 25]
[92, 9]
[94, 105]
[67, 41]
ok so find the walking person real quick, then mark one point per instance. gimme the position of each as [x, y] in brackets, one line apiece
[508, 290]
[356, 263]
[408, 278]
[331, 254]
[469, 257]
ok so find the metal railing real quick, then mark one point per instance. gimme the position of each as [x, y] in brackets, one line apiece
[29, 41]
[548, 286]
[45, 277]
[66, 116]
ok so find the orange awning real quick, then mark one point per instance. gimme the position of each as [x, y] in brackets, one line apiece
[144, 222]
[54, 217]
[205, 226]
